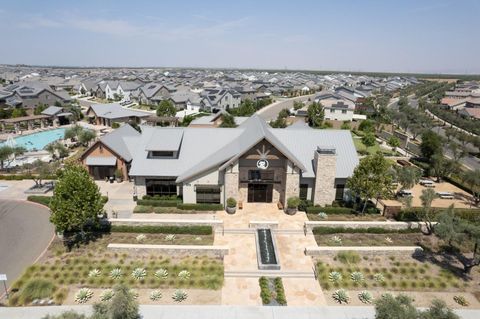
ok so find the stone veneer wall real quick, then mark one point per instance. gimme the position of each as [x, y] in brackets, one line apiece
[292, 181]
[325, 169]
[278, 189]
[232, 183]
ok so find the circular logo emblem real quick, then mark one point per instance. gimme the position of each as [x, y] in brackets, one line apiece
[262, 164]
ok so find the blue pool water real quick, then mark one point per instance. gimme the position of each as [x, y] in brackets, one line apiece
[38, 141]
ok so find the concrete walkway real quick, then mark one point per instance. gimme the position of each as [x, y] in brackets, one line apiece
[241, 263]
[221, 312]
[120, 198]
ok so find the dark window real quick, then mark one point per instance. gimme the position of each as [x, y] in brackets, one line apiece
[208, 194]
[339, 191]
[161, 187]
[303, 191]
[261, 175]
[161, 153]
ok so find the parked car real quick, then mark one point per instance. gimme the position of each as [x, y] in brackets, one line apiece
[404, 193]
[446, 195]
[427, 183]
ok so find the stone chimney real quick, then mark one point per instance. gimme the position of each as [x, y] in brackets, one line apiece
[325, 164]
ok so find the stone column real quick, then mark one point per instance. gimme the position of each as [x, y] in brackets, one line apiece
[325, 163]
[231, 182]
[292, 181]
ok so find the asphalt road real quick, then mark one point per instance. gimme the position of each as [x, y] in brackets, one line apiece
[25, 232]
[271, 111]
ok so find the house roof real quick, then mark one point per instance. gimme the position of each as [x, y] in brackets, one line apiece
[115, 111]
[52, 110]
[101, 161]
[116, 141]
[170, 140]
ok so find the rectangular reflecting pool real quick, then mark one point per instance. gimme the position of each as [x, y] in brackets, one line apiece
[267, 255]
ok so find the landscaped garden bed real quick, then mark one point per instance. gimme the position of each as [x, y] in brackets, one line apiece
[348, 274]
[331, 213]
[272, 291]
[97, 269]
[141, 209]
[339, 236]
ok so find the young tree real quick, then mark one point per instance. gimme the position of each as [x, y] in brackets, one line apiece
[86, 136]
[443, 166]
[427, 214]
[228, 121]
[472, 179]
[297, 105]
[398, 307]
[166, 108]
[368, 140]
[76, 202]
[121, 306]
[408, 176]
[438, 310]
[7, 154]
[43, 171]
[67, 315]
[462, 236]
[72, 132]
[315, 114]
[394, 142]
[371, 178]
[367, 126]
[431, 144]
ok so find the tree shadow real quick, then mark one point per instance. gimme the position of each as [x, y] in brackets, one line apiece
[90, 233]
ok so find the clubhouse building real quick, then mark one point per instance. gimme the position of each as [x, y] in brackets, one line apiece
[251, 163]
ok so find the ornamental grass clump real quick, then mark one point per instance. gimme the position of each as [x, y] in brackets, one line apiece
[365, 297]
[139, 273]
[83, 295]
[179, 296]
[379, 277]
[335, 276]
[161, 273]
[341, 296]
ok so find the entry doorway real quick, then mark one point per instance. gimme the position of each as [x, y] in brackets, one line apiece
[260, 193]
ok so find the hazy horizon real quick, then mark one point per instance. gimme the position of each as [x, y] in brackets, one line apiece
[434, 37]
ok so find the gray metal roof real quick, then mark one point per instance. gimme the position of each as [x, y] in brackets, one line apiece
[116, 140]
[101, 161]
[169, 141]
[52, 110]
[116, 111]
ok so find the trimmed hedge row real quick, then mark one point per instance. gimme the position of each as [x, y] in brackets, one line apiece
[44, 200]
[161, 197]
[157, 203]
[407, 215]
[339, 210]
[369, 230]
[200, 206]
[21, 177]
[189, 230]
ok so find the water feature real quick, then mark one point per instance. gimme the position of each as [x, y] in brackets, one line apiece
[36, 141]
[267, 256]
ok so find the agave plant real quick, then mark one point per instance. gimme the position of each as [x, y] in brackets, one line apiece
[134, 293]
[170, 237]
[357, 276]
[94, 273]
[379, 277]
[155, 295]
[335, 276]
[461, 300]
[139, 273]
[115, 273]
[141, 238]
[179, 296]
[337, 240]
[388, 240]
[161, 273]
[341, 296]
[322, 215]
[106, 295]
[184, 274]
[83, 295]
[365, 297]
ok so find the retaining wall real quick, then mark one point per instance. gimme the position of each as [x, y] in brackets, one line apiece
[177, 250]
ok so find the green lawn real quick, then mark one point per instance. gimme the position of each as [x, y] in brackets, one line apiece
[361, 148]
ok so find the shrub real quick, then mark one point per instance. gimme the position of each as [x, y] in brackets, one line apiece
[304, 203]
[162, 197]
[461, 300]
[330, 210]
[348, 257]
[322, 215]
[264, 291]
[293, 202]
[231, 202]
[140, 209]
[106, 295]
[369, 230]
[378, 277]
[280, 291]
[341, 296]
[148, 229]
[36, 289]
[200, 207]
[157, 203]
[365, 297]
[44, 200]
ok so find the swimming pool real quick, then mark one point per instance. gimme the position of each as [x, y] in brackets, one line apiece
[37, 141]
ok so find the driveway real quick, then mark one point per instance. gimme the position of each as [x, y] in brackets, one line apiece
[25, 232]
[270, 112]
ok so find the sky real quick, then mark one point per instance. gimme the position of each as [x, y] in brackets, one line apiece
[415, 36]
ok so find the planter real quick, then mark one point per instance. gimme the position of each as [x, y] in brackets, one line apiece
[119, 179]
[231, 210]
[291, 211]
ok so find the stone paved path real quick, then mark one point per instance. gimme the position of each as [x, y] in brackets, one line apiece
[241, 263]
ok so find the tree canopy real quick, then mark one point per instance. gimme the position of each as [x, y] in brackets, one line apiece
[166, 108]
[7, 153]
[431, 144]
[228, 121]
[401, 307]
[315, 114]
[76, 202]
[408, 176]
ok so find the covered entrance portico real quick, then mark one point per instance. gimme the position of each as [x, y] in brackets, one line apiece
[260, 193]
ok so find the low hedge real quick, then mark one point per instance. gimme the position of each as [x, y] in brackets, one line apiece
[190, 230]
[200, 206]
[330, 210]
[412, 214]
[369, 230]
[157, 203]
[20, 177]
[44, 200]
[163, 197]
